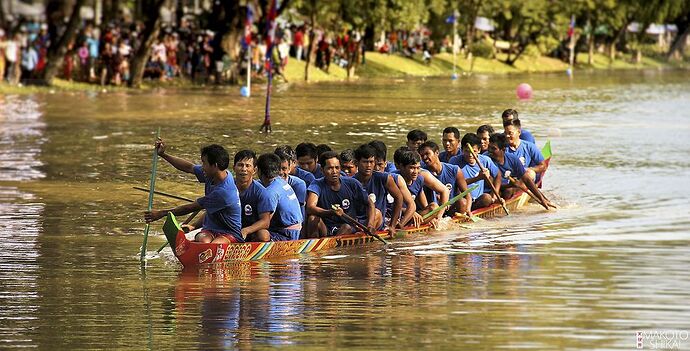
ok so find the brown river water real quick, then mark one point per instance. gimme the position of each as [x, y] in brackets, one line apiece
[608, 270]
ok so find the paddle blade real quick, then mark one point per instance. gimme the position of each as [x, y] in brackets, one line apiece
[171, 227]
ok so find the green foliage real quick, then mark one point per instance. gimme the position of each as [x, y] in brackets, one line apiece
[482, 49]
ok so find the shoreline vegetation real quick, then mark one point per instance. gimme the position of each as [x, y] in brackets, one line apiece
[379, 65]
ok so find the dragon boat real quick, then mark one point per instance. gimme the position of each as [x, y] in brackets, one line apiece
[191, 253]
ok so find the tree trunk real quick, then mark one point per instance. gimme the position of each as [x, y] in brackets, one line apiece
[312, 37]
[590, 43]
[677, 49]
[3, 22]
[141, 56]
[56, 52]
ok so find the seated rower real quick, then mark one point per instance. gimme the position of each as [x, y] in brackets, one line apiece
[222, 222]
[335, 189]
[481, 196]
[298, 185]
[528, 153]
[285, 213]
[451, 144]
[307, 159]
[449, 175]
[509, 115]
[321, 148]
[415, 138]
[256, 211]
[379, 185]
[407, 164]
[382, 165]
[510, 167]
[348, 163]
[484, 133]
[285, 151]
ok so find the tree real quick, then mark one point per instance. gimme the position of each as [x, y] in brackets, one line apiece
[521, 23]
[56, 51]
[152, 26]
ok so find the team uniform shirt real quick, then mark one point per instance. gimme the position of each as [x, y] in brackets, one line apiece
[444, 156]
[448, 177]
[352, 198]
[300, 189]
[254, 202]
[510, 163]
[527, 136]
[528, 154]
[287, 214]
[222, 204]
[318, 173]
[377, 186]
[471, 171]
[390, 167]
[415, 188]
[306, 176]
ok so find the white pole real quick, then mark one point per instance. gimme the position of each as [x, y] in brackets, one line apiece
[456, 14]
[249, 70]
[572, 44]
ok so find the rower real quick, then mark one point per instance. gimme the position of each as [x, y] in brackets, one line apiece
[481, 196]
[256, 212]
[509, 115]
[484, 133]
[287, 164]
[510, 165]
[528, 153]
[307, 159]
[347, 160]
[449, 175]
[382, 165]
[286, 152]
[451, 144]
[379, 185]
[415, 138]
[335, 189]
[223, 221]
[407, 164]
[285, 213]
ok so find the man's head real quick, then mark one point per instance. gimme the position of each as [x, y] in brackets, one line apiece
[484, 132]
[244, 165]
[512, 130]
[306, 156]
[365, 155]
[330, 166]
[214, 158]
[415, 138]
[497, 145]
[474, 142]
[288, 160]
[321, 148]
[381, 152]
[407, 163]
[451, 140]
[508, 115]
[269, 166]
[429, 152]
[347, 161]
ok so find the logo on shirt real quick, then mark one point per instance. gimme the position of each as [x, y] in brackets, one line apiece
[449, 186]
[345, 204]
[248, 210]
[390, 199]
[522, 159]
[372, 197]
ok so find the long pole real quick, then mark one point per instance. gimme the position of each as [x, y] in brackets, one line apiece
[152, 185]
[249, 70]
[449, 202]
[572, 42]
[456, 14]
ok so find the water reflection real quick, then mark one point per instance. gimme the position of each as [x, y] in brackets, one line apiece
[21, 137]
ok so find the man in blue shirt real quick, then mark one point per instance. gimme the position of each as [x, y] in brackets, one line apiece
[348, 165]
[222, 222]
[451, 144]
[286, 152]
[307, 157]
[382, 165]
[481, 196]
[256, 211]
[449, 175]
[484, 132]
[509, 166]
[528, 153]
[286, 215]
[336, 189]
[509, 115]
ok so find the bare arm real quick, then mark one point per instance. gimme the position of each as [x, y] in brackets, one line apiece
[462, 184]
[397, 201]
[179, 163]
[434, 184]
[262, 223]
[155, 215]
[313, 209]
[541, 167]
[409, 201]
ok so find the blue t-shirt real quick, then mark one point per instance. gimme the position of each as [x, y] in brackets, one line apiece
[416, 187]
[471, 171]
[448, 177]
[306, 176]
[284, 205]
[512, 164]
[222, 205]
[351, 197]
[390, 167]
[93, 46]
[254, 201]
[300, 189]
[377, 186]
[444, 156]
[318, 172]
[528, 154]
[527, 136]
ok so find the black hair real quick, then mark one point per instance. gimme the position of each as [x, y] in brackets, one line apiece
[327, 156]
[485, 128]
[364, 151]
[472, 139]
[404, 157]
[321, 148]
[216, 155]
[244, 154]
[347, 156]
[430, 144]
[286, 153]
[509, 113]
[416, 135]
[513, 122]
[269, 165]
[500, 140]
[380, 148]
[453, 130]
[306, 149]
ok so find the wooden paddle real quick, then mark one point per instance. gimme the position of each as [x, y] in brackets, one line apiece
[493, 187]
[450, 202]
[523, 187]
[189, 219]
[164, 194]
[152, 184]
[358, 225]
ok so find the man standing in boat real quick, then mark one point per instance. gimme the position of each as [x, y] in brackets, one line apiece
[336, 189]
[223, 222]
[286, 215]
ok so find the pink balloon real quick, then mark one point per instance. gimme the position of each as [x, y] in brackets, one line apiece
[524, 91]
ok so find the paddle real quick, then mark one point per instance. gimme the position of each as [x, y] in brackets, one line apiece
[152, 184]
[164, 194]
[522, 187]
[189, 219]
[358, 225]
[450, 202]
[493, 187]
